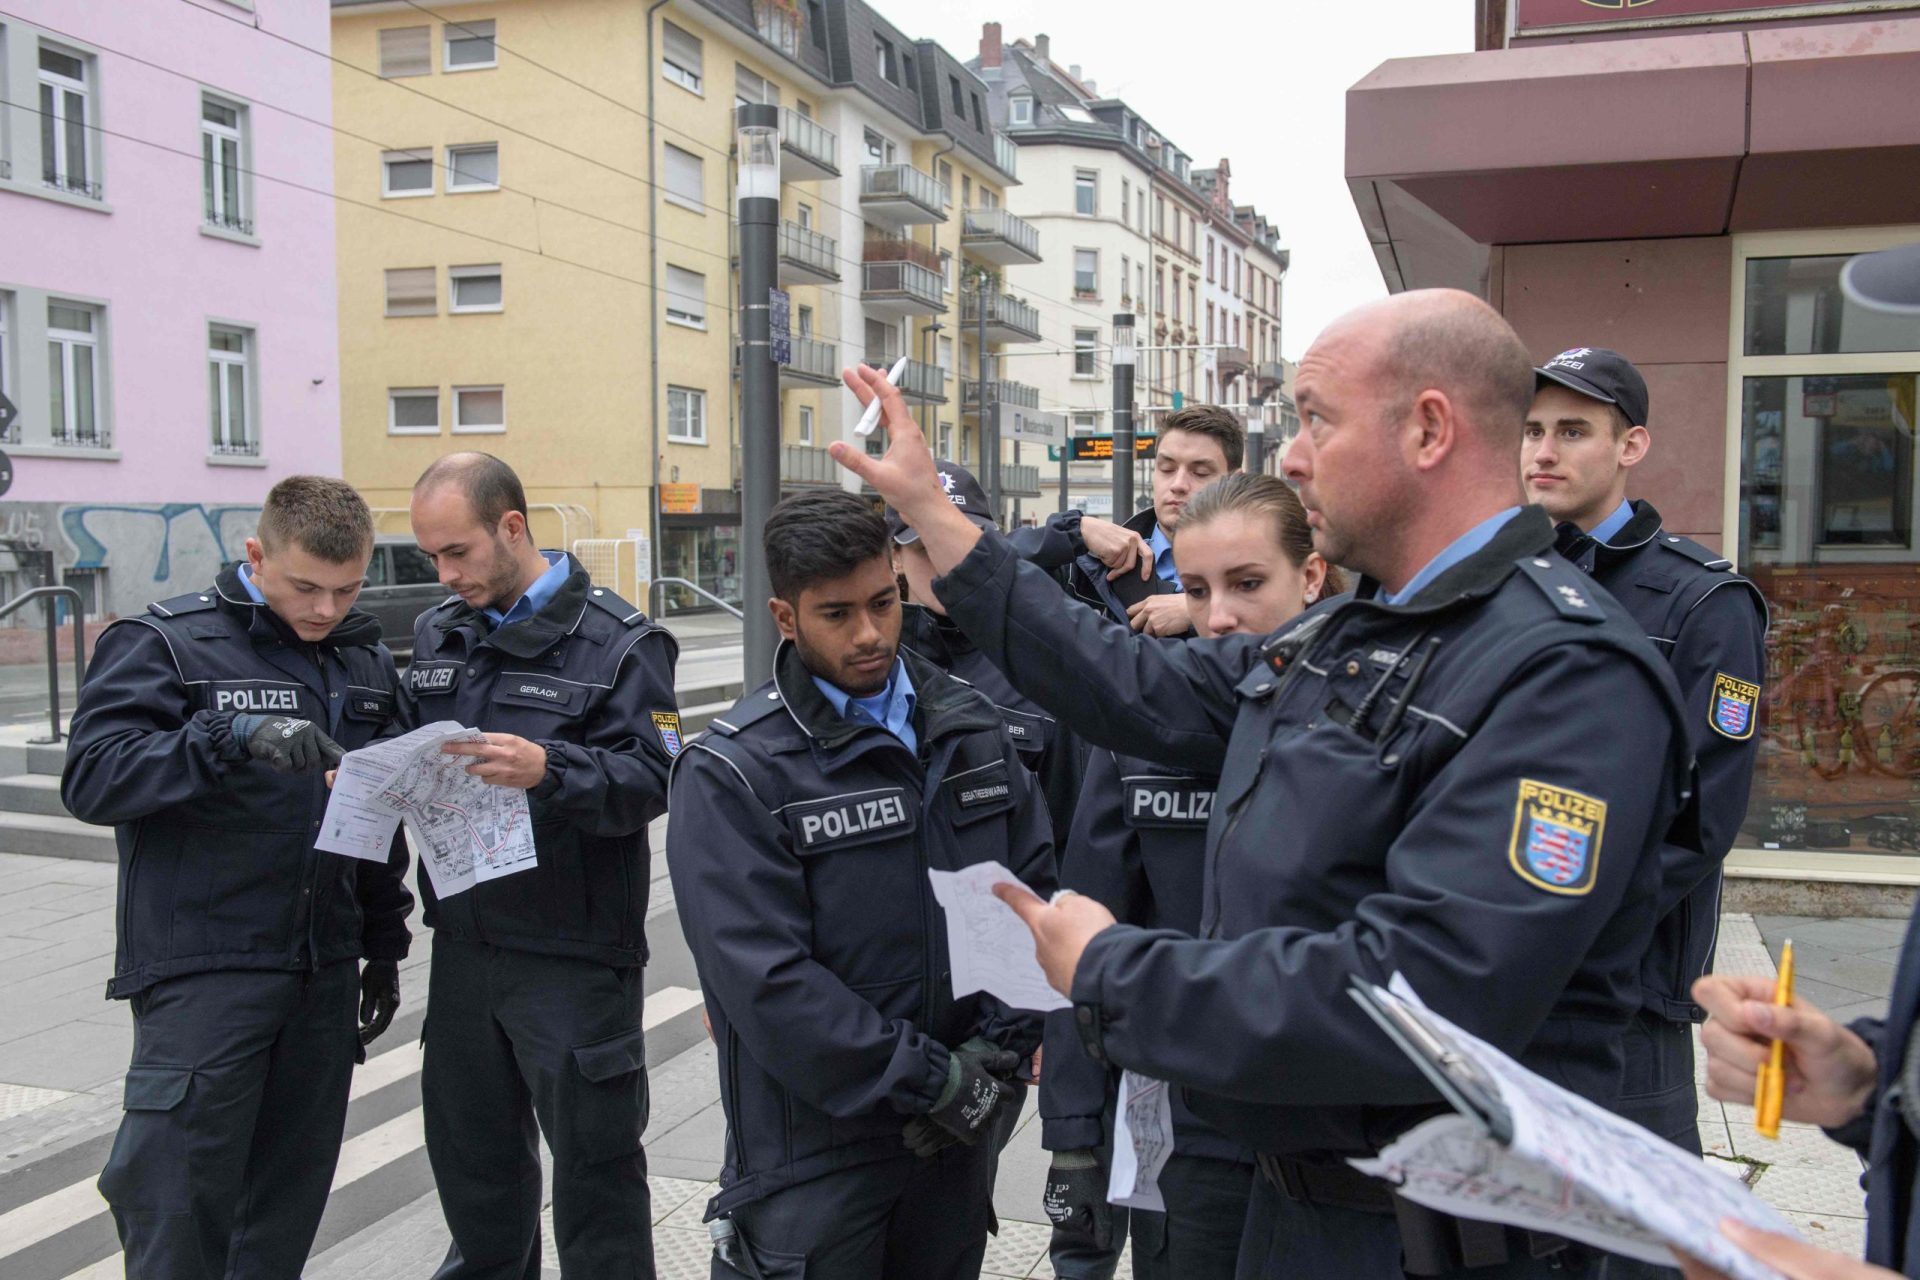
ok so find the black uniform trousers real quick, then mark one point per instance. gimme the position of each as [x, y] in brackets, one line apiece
[518, 1044]
[1198, 1237]
[903, 1218]
[236, 1100]
[1658, 1094]
[1074, 1257]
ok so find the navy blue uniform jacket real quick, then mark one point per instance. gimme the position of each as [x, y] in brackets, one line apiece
[800, 847]
[1468, 789]
[217, 864]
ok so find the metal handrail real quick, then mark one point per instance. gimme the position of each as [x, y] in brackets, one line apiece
[699, 591]
[53, 649]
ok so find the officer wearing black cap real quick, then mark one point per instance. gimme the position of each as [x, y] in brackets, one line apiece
[863, 1098]
[1460, 773]
[536, 986]
[203, 735]
[1584, 435]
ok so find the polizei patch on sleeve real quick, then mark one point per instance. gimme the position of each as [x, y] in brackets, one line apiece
[856, 818]
[1556, 837]
[1731, 712]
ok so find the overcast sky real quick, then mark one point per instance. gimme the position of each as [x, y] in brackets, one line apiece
[1262, 84]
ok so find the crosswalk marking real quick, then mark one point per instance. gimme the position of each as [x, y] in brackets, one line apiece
[360, 1156]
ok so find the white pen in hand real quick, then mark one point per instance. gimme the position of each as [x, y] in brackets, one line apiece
[871, 418]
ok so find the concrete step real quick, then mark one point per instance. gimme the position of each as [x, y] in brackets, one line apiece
[46, 758]
[32, 793]
[55, 837]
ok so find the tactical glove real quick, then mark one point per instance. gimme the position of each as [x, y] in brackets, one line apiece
[977, 1088]
[288, 743]
[1076, 1197]
[379, 997]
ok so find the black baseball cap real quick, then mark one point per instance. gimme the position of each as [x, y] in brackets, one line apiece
[1599, 374]
[963, 491]
[1885, 281]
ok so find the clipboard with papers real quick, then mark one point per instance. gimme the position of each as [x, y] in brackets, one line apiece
[1521, 1150]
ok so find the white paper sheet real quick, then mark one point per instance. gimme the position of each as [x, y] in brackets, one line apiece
[988, 947]
[1142, 1141]
[1573, 1169]
[465, 830]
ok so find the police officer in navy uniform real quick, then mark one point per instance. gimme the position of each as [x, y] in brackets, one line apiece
[862, 1095]
[1460, 773]
[203, 735]
[1584, 435]
[536, 985]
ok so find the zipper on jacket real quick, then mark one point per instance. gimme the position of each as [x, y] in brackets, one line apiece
[1226, 834]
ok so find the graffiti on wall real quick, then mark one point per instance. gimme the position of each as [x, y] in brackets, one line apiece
[142, 552]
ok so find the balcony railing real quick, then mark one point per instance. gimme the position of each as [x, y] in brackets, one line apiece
[996, 235]
[804, 464]
[72, 185]
[230, 222]
[779, 25]
[903, 193]
[813, 361]
[1009, 319]
[906, 287]
[1016, 394]
[1271, 375]
[1232, 361]
[98, 438]
[1017, 481]
[812, 151]
[917, 381]
[805, 254]
[235, 449]
[1006, 153]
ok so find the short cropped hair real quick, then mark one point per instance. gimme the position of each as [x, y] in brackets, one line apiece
[322, 516]
[1215, 423]
[817, 537]
[1468, 350]
[489, 485]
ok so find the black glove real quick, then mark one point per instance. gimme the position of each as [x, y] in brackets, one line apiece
[977, 1087]
[288, 743]
[1076, 1197]
[379, 997]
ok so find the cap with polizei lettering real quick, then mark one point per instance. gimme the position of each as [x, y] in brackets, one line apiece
[963, 491]
[1599, 374]
[1885, 281]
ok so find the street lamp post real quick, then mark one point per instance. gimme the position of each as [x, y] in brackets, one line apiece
[1123, 357]
[757, 197]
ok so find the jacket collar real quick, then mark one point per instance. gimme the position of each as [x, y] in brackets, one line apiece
[943, 705]
[265, 626]
[1529, 533]
[530, 637]
[1142, 522]
[1576, 546]
[932, 636]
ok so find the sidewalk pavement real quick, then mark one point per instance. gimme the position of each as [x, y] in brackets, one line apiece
[63, 1053]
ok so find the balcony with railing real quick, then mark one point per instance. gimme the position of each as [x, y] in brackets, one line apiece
[1006, 153]
[1009, 319]
[779, 24]
[807, 257]
[814, 364]
[1231, 361]
[1012, 394]
[917, 381]
[73, 185]
[896, 281]
[230, 222]
[1269, 376]
[901, 195]
[997, 236]
[1017, 481]
[234, 448]
[802, 464]
[809, 152]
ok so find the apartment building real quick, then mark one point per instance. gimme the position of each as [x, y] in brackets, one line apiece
[559, 284]
[167, 330]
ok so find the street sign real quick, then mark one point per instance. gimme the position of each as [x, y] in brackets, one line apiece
[780, 335]
[1100, 448]
[8, 412]
[1032, 426]
[6, 473]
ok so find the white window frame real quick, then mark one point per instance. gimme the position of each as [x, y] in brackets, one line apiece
[224, 362]
[1801, 864]
[806, 424]
[1084, 424]
[1089, 180]
[769, 91]
[695, 397]
[455, 186]
[65, 432]
[685, 319]
[1092, 290]
[406, 155]
[411, 393]
[479, 271]
[1020, 109]
[695, 203]
[483, 428]
[63, 87]
[7, 387]
[454, 32]
[1087, 341]
[693, 79]
[237, 220]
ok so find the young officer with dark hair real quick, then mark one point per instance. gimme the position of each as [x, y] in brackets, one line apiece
[862, 1098]
[536, 986]
[203, 734]
[1584, 435]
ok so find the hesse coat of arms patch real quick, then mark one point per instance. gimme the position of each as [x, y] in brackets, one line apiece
[1731, 711]
[1556, 837]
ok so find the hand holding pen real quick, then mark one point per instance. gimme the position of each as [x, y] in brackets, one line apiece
[1830, 1072]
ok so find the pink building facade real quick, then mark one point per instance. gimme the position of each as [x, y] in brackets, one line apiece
[168, 331]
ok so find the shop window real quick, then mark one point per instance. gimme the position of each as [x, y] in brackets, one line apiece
[1826, 413]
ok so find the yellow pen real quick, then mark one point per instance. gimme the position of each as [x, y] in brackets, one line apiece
[1770, 1089]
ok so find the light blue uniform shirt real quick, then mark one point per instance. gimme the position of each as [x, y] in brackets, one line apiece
[1162, 547]
[543, 589]
[1604, 531]
[246, 580]
[1461, 547]
[891, 708]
